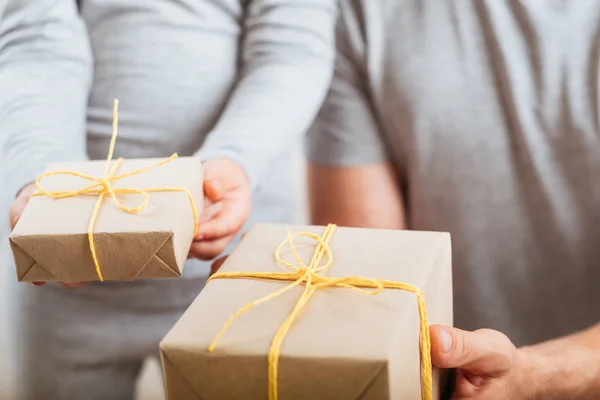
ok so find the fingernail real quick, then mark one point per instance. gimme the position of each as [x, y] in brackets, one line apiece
[447, 340]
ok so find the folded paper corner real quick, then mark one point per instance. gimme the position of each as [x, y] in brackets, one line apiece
[28, 269]
[176, 385]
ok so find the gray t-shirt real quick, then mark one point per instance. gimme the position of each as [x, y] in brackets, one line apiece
[241, 79]
[489, 113]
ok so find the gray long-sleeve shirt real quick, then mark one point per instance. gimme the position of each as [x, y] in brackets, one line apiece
[45, 75]
[222, 78]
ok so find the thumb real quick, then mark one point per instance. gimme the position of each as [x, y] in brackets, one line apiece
[482, 352]
[19, 204]
[215, 184]
[14, 215]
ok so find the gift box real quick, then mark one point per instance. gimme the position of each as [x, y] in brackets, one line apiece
[327, 313]
[109, 220]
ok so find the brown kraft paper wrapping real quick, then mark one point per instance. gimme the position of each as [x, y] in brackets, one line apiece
[50, 241]
[345, 345]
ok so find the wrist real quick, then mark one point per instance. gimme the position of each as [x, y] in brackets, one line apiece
[234, 156]
[227, 164]
[537, 374]
[559, 370]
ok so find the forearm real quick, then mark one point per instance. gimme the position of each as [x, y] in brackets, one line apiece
[287, 64]
[45, 73]
[364, 196]
[566, 368]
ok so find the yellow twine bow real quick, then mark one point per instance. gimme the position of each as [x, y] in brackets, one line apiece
[309, 275]
[104, 186]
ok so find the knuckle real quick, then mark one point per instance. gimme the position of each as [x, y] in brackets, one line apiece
[466, 347]
[502, 347]
[500, 339]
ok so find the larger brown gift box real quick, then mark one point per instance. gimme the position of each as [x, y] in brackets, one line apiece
[50, 241]
[344, 346]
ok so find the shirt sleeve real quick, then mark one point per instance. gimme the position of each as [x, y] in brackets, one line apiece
[287, 60]
[345, 132]
[45, 74]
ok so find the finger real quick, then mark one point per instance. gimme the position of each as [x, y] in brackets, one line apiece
[463, 389]
[208, 203]
[19, 204]
[213, 189]
[483, 352]
[448, 388]
[229, 220]
[16, 210]
[217, 264]
[38, 283]
[469, 386]
[209, 249]
[209, 213]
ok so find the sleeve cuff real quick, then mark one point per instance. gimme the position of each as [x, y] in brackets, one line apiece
[337, 153]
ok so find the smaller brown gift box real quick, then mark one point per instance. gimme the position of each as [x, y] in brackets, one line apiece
[344, 345]
[50, 242]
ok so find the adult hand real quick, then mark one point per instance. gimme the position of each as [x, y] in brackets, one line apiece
[488, 366]
[227, 206]
[18, 205]
[15, 211]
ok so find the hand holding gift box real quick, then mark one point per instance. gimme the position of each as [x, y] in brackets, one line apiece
[99, 230]
[315, 332]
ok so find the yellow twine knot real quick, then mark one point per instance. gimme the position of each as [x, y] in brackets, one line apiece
[313, 281]
[103, 187]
